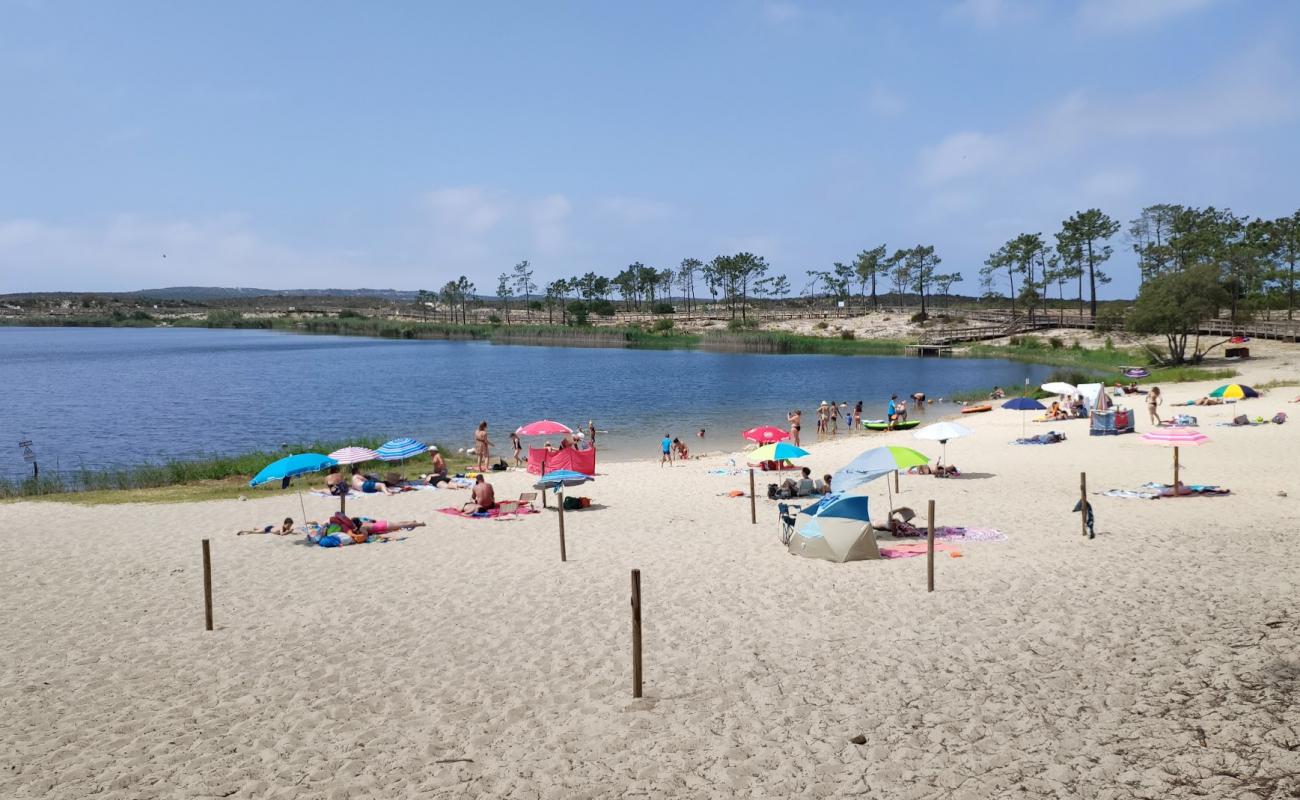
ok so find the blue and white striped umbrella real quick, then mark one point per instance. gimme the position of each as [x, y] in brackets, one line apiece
[401, 449]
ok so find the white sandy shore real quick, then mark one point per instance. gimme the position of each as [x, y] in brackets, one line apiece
[1159, 660]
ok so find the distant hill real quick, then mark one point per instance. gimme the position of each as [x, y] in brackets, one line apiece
[206, 293]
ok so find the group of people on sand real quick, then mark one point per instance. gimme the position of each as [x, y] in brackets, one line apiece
[804, 485]
[358, 529]
[830, 415]
[672, 448]
[579, 439]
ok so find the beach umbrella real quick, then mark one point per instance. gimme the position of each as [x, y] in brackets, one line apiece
[400, 449]
[543, 427]
[1234, 391]
[1060, 387]
[354, 455]
[1135, 372]
[556, 481]
[1175, 438]
[778, 451]
[1023, 404]
[291, 467]
[873, 464]
[764, 434]
[941, 432]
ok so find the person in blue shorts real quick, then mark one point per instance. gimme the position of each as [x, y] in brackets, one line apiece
[666, 450]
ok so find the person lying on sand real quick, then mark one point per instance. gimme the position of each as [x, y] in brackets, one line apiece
[335, 483]
[899, 523]
[369, 484]
[284, 528]
[379, 527]
[1209, 401]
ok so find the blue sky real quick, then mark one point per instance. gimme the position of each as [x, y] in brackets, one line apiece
[313, 144]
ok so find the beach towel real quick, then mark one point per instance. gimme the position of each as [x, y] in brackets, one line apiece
[1129, 493]
[493, 514]
[1194, 488]
[914, 549]
[1051, 437]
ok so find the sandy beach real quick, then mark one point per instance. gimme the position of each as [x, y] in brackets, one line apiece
[1161, 659]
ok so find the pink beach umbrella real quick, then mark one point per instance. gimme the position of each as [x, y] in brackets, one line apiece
[543, 427]
[354, 455]
[766, 434]
[1175, 438]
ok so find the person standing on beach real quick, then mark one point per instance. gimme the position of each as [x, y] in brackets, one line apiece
[857, 416]
[591, 434]
[518, 448]
[834, 413]
[1154, 399]
[794, 418]
[892, 412]
[482, 445]
[666, 450]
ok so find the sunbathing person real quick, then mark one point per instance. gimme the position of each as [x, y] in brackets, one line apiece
[439, 466]
[483, 497]
[804, 487]
[284, 529]
[369, 484]
[379, 527]
[1209, 401]
[899, 523]
[335, 482]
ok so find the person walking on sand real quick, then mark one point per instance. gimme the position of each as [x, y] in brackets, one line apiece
[795, 418]
[666, 451]
[518, 448]
[482, 445]
[1154, 399]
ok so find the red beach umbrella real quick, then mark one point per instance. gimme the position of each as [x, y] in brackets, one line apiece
[543, 427]
[766, 434]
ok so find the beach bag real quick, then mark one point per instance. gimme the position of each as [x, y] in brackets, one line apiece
[500, 466]
[771, 491]
[1279, 417]
[1241, 419]
[572, 503]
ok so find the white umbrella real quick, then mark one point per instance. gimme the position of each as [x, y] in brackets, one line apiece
[1060, 387]
[941, 432]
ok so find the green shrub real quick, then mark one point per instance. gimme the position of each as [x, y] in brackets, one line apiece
[821, 326]
[919, 317]
[494, 319]
[602, 308]
[348, 313]
[1109, 319]
[847, 334]
[662, 308]
[663, 325]
[749, 324]
[1056, 342]
[578, 311]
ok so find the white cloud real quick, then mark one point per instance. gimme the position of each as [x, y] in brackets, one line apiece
[633, 210]
[781, 12]
[128, 251]
[1253, 90]
[473, 228]
[1112, 183]
[883, 102]
[1129, 15]
[989, 14]
[549, 217]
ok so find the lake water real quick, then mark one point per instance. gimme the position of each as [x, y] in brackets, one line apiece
[121, 396]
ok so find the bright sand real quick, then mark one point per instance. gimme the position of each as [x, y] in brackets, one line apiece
[1159, 660]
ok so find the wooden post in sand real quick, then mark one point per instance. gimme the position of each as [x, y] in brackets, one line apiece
[636, 633]
[560, 505]
[753, 502]
[929, 552]
[207, 585]
[896, 489]
[1083, 501]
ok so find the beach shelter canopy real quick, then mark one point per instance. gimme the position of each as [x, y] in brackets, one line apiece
[836, 528]
[764, 434]
[291, 467]
[941, 432]
[1060, 387]
[543, 427]
[400, 449]
[1234, 391]
[780, 451]
[354, 455]
[1094, 396]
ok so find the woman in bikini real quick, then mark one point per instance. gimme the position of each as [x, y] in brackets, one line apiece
[795, 417]
[1154, 399]
[518, 448]
[482, 445]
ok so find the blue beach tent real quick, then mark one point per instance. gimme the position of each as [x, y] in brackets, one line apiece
[835, 528]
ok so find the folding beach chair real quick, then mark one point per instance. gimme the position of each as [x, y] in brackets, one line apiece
[526, 499]
[786, 512]
[508, 507]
